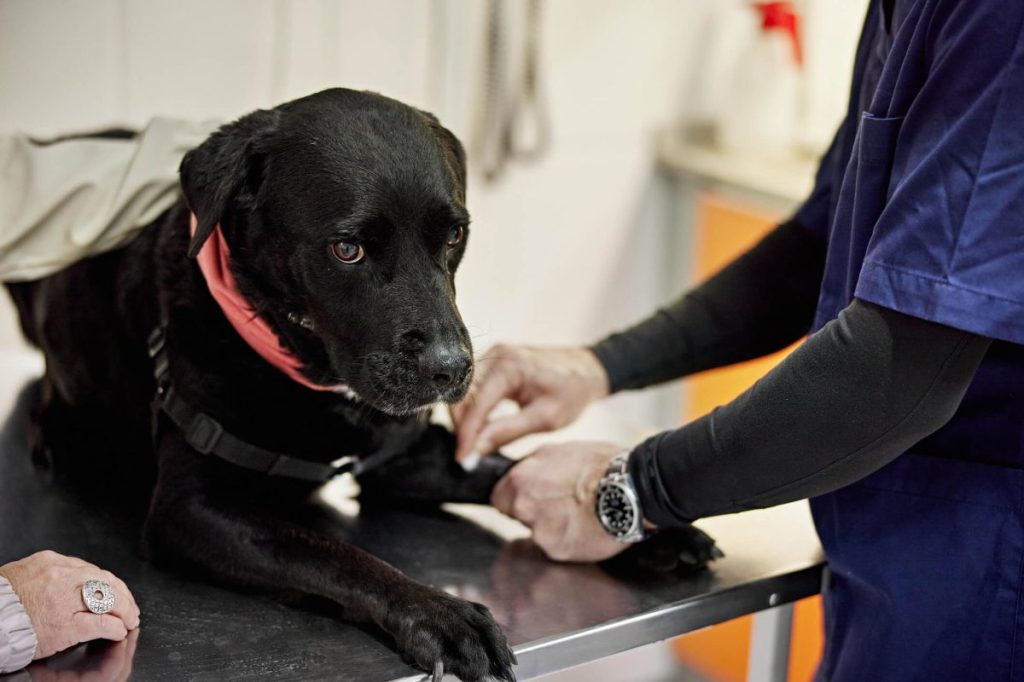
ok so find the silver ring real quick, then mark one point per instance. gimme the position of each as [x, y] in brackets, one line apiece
[98, 604]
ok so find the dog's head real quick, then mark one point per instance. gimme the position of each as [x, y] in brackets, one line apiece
[345, 217]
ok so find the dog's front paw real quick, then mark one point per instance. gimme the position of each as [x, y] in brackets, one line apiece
[444, 634]
[685, 550]
[428, 473]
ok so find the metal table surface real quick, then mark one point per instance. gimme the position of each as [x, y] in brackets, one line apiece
[555, 615]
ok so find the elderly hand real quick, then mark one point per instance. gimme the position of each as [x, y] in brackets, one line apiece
[49, 586]
[554, 491]
[551, 385]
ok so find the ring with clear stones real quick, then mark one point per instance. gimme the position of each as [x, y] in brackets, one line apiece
[98, 604]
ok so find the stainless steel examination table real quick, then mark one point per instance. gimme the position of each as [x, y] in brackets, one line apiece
[555, 615]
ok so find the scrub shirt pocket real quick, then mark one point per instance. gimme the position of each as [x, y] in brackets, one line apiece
[876, 143]
[863, 197]
[876, 148]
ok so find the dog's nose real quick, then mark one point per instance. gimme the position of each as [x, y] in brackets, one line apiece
[444, 365]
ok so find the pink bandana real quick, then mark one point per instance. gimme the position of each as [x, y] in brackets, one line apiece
[213, 262]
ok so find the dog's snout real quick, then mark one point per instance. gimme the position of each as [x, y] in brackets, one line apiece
[444, 365]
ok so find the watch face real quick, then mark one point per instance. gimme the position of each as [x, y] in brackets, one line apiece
[615, 510]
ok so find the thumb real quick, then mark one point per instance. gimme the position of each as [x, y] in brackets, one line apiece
[536, 417]
[86, 626]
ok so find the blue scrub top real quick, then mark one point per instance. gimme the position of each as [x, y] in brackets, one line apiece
[921, 196]
[921, 200]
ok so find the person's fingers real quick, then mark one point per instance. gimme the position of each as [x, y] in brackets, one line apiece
[125, 607]
[499, 383]
[503, 494]
[490, 388]
[124, 601]
[86, 626]
[536, 417]
[492, 361]
[509, 498]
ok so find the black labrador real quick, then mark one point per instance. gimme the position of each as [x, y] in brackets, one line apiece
[344, 213]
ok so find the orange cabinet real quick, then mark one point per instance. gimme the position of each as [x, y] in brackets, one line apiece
[724, 229]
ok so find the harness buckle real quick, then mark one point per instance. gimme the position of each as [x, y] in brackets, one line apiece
[203, 433]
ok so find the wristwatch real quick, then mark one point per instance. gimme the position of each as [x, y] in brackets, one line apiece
[618, 505]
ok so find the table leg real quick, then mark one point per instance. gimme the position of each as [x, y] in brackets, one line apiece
[769, 644]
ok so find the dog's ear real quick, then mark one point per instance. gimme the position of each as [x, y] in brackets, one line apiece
[228, 162]
[454, 153]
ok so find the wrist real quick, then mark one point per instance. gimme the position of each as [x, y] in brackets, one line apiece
[598, 383]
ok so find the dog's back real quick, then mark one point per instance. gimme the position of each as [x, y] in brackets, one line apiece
[89, 321]
[86, 321]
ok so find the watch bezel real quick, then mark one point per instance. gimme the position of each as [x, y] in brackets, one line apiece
[617, 479]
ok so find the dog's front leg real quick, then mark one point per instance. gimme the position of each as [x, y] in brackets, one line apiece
[240, 542]
[428, 472]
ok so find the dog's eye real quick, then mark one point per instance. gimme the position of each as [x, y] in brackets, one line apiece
[348, 252]
[455, 236]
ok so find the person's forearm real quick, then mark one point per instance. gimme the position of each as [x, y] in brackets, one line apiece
[856, 395]
[761, 302]
[82, 196]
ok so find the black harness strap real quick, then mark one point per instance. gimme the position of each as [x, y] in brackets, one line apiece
[207, 435]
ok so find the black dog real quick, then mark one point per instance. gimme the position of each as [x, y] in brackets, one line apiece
[345, 217]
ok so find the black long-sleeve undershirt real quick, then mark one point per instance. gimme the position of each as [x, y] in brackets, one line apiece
[760, 303]
[853, 397]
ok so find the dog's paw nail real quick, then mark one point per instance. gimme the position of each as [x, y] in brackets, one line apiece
[716, 553]
[471, 462]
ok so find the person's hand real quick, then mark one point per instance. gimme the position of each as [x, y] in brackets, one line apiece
[49, 586]
[553, 491]
[551, 385]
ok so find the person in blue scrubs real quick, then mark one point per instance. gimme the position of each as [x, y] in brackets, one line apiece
[901, 416]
